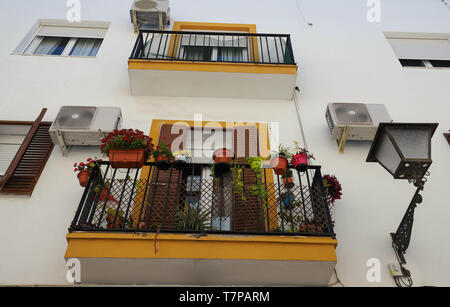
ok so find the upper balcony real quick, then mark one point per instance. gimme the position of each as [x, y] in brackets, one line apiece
[238, 64]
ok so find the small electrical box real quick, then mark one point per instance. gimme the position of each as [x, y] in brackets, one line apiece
[395, 269]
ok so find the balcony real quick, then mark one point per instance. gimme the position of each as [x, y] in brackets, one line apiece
[212, 64]
[175, 227]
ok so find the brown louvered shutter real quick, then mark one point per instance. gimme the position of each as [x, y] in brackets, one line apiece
[29, 161]
[161, 189]
[248, 216]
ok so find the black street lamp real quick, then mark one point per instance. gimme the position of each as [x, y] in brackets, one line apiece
[404, 150]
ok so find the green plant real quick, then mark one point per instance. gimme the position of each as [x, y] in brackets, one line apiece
[258, 188]
[120, 218]
[237, 181]
[288, 174]
[163, 149]
[283, 152]
[127, 139]
[192, 219]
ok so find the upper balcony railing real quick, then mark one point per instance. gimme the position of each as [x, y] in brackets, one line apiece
[230, 47]
[154, 200]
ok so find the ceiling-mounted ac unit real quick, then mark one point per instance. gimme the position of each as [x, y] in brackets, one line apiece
[84, 125]
[150, 14]
[361, 119]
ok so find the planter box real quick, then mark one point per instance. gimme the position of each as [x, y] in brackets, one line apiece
[132, 158]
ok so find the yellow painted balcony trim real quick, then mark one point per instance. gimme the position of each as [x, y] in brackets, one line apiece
[189, 246]
[212, 67]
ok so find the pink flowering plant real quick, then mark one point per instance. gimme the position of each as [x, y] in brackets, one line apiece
[127, 139]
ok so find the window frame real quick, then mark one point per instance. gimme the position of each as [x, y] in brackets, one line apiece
[32, 39]
[427, 63]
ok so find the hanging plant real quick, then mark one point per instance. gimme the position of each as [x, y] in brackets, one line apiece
[301, 157]
[333, 188]
[258, 188]
[84, 170]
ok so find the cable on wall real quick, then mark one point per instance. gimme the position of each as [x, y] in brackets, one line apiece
[301, 13]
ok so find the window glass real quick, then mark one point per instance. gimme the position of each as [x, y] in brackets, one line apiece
[86, 47]
[52, 45]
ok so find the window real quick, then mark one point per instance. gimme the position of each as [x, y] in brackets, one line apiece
[61, 38]
[24, 150]
[421, 50]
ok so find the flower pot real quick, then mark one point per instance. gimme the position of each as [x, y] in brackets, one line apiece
[105, 194]
[130, 158]
[288, 201]
[279, 165]
[117, 225]
[162, 162]
[222, 158]
[288, 182]
[310, 227]
[180, 162]
[83, 177]
[300, 162]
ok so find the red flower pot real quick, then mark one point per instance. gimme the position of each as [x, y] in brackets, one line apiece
[288, 180]
[300, 162]
[279, 165]
[222, 155]
[131, 158]
[83, 177]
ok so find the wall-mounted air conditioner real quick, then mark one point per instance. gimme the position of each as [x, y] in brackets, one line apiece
[359, 119]
[84, 125]
[150, 14]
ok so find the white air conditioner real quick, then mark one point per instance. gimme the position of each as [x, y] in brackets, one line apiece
[361, 119]
[84, 125]
[150, 14]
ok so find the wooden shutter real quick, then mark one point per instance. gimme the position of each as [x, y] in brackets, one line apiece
[29, 161]
[158, 209]
[248, 216]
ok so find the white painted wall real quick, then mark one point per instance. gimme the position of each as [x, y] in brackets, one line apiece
[341, 57]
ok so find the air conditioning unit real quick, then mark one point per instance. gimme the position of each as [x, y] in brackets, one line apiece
[84, 125]
[150, 14]
[361, 119]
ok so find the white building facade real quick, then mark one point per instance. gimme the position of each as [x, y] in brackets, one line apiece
[341, 51]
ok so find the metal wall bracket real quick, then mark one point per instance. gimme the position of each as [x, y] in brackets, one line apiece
[341, 142]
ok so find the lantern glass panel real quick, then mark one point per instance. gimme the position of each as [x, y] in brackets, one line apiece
[413, 142]
[386, 153]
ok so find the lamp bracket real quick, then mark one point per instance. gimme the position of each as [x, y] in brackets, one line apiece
[401, 239]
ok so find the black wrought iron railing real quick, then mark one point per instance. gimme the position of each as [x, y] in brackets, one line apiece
[213, 47]
[191, 201]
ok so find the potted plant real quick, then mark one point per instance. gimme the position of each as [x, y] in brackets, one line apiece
[309, 226]
[287, 200]
[163, 155]
[84, 170]
[222, 158]
[300, 159]
[333, 188]
[280, 161]
[288, 178]
[181, 158]
[127, 148]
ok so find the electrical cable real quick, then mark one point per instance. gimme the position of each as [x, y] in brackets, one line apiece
[301, 14]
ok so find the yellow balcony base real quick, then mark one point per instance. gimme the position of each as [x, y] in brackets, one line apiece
[212, 79]
[209, 260]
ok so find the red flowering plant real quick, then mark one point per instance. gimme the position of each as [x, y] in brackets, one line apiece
[127, 139]
[333, 188]
[86, 166]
